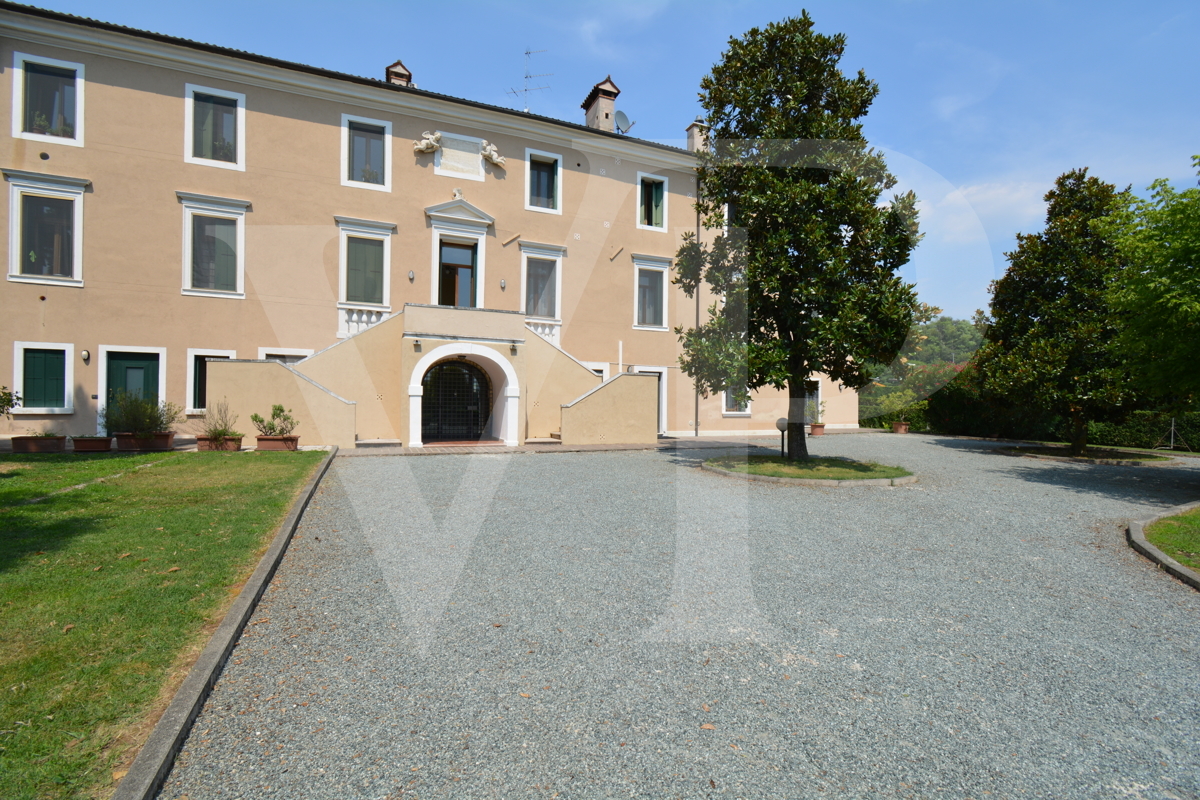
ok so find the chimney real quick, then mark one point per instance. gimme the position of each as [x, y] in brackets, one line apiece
[599, 106]
[400, 75]
[697, 135]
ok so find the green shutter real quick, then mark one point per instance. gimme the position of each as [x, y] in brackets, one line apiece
[364, 270]
[658, 204]
[226, 255]
[45, 379]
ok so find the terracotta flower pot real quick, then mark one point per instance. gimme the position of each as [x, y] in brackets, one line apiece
[899, 427]
[163, 440]
[92, 444]
[816, 429]
[39, 444]
[218, 443]
[278, 442]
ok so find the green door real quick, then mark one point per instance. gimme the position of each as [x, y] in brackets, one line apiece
[136, 373]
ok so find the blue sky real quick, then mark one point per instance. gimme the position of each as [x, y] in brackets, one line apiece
[981, 105]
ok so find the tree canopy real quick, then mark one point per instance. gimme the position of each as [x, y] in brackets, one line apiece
[1049, 341]
[805, 257]
[1158, 294]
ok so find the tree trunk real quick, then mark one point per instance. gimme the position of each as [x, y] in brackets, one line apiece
[797, 446]
[1079, 435]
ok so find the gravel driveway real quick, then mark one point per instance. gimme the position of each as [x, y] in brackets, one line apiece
[625, 625]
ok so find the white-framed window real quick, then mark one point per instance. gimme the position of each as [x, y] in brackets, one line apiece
[366, 153]
[541, 280]
[44, 377]
[214, 129]
[732, 407]
[45, 228]
[459, 157]
[364, 259]
[47, 100]
[286, 355]
[652, 202]
[650, 292]
[197, 377]
[214, 245]
[543, 181]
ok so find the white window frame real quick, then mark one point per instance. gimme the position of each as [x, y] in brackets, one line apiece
[22, 183]
[544, 156]
[662, 372]
[437, 159]
[189, 115]
[18, 92]
[545, 252]
[223, 208]
[18, 382]
[638, 205]
[657, 264]
[725, 402]
[102, 376]
[365, 229]
[264, 353]
[344, 166]
[192, 353]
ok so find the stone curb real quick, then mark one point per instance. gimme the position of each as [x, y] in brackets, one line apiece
[1136, 536]
[157, 755]
[905, 481]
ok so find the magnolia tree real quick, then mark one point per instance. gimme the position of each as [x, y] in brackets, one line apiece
[803, 254]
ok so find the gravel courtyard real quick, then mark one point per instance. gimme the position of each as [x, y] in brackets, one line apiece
[622, 624]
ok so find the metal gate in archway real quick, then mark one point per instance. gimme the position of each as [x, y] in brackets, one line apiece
[456, 404]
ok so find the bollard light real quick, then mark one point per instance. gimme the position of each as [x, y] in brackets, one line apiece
[781, 424]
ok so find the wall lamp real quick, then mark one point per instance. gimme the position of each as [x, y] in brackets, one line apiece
[85, 355]
[417, 345]
[512, 349]
[502, 284]
[411, 276]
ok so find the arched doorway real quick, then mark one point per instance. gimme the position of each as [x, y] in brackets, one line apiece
[456, 402]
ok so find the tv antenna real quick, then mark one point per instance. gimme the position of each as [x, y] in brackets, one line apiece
[525, 91]
[623, 123]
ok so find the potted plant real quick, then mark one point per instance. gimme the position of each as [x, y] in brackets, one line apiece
[276, 433]
[91, 443]
[218, 429]
[817, 428]
[898, 403]
[141, 423]
[39, 442]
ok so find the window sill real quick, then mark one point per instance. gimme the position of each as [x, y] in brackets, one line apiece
[742, 414]
[364, 306]
[46, 280]
[660, 229]
[212, 162]
[374, 187]
[213, 293]
[650, 328]
[543, 210]
[31, 411]
[70, 141]
[466, 176]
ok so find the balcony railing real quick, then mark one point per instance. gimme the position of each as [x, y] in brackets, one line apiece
[356, 319]
[548, 329]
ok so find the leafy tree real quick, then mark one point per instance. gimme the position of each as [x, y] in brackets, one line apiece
[947, 340]
[1158, 295]
[1048, 344]
[807, 273]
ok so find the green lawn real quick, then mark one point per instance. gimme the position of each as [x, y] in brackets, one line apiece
[105, 592]
[826, 469]
[1178, 537]
[1106, 453]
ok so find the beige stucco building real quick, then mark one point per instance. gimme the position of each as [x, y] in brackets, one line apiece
[389, 263]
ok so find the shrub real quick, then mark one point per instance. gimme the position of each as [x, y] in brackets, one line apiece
[8, 401]
[281, 423]
[218, 422]
[142, 416]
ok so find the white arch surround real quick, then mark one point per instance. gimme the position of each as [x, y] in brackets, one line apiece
[505, 408]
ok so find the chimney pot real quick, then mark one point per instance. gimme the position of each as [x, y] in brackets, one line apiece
[399, 75]
[598, 107]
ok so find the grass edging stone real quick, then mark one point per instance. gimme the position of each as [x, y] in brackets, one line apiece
[831, 484]
[1150, 460]
[155, 759]
[1135, 535]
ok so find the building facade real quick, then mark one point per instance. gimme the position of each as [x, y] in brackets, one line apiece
[194, 222]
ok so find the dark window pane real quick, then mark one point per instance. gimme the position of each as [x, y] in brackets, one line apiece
[49, 100]
[214, 253]
[539, 288]
[650, 297]
[457, 276]
[732, 406]
[214, 128]
[542, 188]
[366, 153]
[47, 236]
[45, 379]
[364, 270]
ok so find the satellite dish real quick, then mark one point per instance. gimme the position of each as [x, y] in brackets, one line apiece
[623, 123]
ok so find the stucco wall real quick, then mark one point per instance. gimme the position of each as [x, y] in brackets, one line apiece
[254, 386]
[552, 378]
[623, 410]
